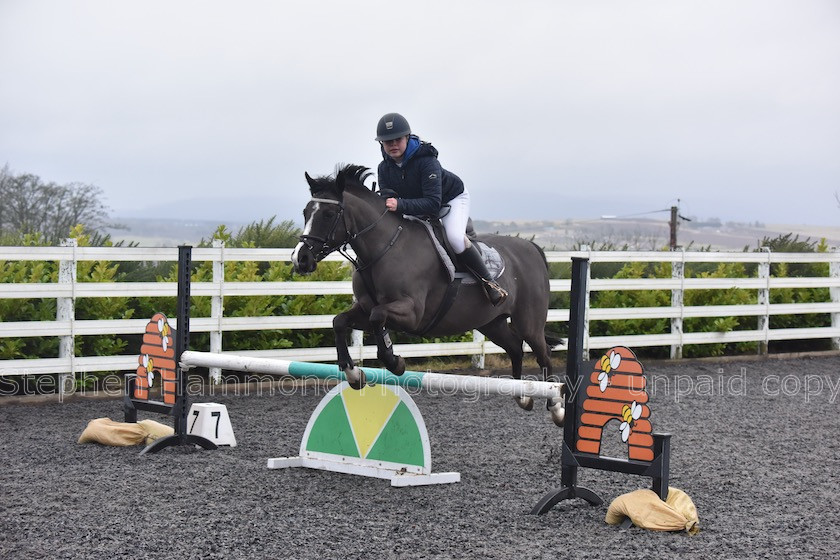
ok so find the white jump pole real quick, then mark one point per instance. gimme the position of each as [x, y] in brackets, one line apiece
[444, 383]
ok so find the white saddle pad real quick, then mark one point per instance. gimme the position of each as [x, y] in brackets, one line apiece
[492, 259]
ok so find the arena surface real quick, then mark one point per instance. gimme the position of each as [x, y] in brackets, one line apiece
[755, 444]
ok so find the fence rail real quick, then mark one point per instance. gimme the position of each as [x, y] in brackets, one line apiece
[68, 289]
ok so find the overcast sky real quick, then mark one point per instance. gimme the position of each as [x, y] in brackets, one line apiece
[547, 109]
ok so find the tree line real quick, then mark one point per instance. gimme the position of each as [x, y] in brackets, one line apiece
[30, 206]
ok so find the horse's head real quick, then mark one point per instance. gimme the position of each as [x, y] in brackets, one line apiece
[325, 227]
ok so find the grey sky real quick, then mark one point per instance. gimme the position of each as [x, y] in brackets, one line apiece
[546, 109]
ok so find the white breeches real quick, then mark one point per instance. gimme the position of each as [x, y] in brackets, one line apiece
[455, 221]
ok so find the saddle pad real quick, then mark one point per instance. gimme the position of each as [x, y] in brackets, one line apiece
[492, 259]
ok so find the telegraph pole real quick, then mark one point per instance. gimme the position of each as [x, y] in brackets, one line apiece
[673, 224]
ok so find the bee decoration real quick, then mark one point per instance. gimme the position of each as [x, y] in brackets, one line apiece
[164, 329]
[149, 364]
[629, 413]
[608, 363]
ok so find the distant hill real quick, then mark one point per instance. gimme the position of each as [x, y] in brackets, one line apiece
[175, 222]
[161, 232]
[651, 235]
[639, 234]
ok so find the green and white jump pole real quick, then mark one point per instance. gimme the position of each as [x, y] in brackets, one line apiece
[441, 382]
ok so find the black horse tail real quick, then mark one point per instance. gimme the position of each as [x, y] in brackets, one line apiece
[551, 338]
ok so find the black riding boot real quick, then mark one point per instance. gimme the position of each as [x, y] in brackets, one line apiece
[471, 258]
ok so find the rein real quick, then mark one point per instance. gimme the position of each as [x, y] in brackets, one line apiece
[327, 247]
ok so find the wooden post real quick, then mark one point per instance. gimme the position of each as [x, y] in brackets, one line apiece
[217, 308]
[66, 311]
[673, 224]
[478, 359]
[834, 272]
[678, 300]
[764, 300]
[357, 344]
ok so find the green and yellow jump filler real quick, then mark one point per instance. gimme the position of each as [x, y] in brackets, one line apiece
[377, 432]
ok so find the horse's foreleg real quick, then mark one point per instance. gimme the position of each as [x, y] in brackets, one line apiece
[343, 323]
[400, 312]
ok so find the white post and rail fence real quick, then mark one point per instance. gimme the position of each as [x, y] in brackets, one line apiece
[68, 290]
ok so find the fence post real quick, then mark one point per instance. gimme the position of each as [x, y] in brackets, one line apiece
[764, 299]
[478, 359]
[678, 300]
[66, 311]
[834, 272]
[217, 308]
[357, 344]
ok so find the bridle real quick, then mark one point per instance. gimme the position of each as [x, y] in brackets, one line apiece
[326, 246]
[330, 243]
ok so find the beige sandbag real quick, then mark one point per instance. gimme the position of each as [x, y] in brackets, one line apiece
[110, 432]
[646, 510]
[155, 430]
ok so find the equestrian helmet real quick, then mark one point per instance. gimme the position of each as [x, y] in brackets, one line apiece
[391, 127]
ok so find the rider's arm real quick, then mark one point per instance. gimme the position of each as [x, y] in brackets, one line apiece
[385, 184]
[431, 186]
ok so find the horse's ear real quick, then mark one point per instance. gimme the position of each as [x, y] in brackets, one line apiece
[309, 180]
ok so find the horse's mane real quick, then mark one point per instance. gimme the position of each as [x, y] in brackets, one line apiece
[347, 177]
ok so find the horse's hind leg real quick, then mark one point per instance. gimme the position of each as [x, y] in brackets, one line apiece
[535, 337]
[500, 333]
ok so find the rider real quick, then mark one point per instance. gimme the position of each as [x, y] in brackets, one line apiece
[411, 169]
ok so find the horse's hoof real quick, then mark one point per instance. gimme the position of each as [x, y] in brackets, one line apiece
[399, 368]
[558, 413]
[525, 403]
[355, 378]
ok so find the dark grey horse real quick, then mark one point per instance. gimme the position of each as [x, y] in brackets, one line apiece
[400, 281]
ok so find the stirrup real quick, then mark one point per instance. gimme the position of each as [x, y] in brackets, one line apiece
[491, 288]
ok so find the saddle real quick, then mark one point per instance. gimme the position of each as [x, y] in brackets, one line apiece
[492, 259]
[457, 274]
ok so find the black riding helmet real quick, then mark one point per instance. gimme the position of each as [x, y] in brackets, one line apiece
[391, 127]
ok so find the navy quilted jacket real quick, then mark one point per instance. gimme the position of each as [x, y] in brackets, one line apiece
[421, 184]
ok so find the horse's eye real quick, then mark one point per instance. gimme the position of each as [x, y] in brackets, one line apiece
[329, 214]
